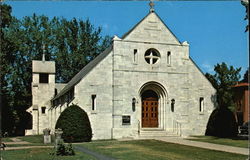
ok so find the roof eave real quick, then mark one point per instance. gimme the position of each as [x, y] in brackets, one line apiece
[84, 71]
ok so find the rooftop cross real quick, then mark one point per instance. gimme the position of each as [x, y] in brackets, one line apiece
[151, 4]
[43, 58]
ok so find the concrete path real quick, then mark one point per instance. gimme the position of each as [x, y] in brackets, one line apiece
[211, 146]
[26, 147]
[19, 141]
[94, 154]
[16, 139]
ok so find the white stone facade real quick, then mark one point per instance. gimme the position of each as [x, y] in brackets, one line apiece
[113, 85]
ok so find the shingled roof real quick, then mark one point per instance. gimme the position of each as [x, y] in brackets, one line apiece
[84, 71]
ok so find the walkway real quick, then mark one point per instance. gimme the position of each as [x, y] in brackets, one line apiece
[94, 154]
[18, 141]
[26, 147]
[211, 146]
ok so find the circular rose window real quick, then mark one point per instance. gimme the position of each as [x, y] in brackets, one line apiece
[152, 56]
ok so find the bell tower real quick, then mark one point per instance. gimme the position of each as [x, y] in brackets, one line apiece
[43, 89]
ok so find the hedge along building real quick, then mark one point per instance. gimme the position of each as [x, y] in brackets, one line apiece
[145, 83]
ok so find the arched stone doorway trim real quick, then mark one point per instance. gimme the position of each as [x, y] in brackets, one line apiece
[162, 100]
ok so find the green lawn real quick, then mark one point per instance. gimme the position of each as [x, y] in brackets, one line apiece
[35, 140]
[41, 154]
[124, 150]
[157, 150]
[224, 141]
[7, 139]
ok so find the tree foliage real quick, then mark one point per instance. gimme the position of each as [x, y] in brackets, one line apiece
[245, 3]
[222, 123]
[223, 80]
[75, 125]
[71, 43]
[246, 76]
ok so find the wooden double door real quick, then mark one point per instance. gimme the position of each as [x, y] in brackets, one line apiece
[150, 112]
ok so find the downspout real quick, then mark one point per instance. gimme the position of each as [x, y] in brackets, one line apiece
[112, 132]
[38, 120]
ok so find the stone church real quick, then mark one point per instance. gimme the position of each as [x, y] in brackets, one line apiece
[144, 84]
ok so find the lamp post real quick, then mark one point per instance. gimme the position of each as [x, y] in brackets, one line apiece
[172, 104]
[133, 104]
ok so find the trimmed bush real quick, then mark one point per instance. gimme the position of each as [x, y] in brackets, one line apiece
[65, 150]
[222, 124]
[75, 125]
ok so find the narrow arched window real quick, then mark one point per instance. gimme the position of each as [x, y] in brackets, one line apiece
[201, 107]
[93, 97]
[169, 58]
[172, 104]
[135, 56]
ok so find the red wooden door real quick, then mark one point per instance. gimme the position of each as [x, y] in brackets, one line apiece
[150, 112]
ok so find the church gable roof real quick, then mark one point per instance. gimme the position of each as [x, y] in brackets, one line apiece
[151, 29]
[84, 71]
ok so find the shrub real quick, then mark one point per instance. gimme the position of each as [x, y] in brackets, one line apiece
[75, 125]
[64, 150]
[222, 123]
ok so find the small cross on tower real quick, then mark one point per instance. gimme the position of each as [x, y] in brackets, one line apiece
[43, 58]
[151, 4]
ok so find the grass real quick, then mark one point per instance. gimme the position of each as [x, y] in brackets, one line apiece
[35, 140]
[127, 150]
[6, 139]
[223, 141]
[152, 150]
[41, 154]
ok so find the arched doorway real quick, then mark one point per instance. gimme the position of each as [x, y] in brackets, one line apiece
[153, 103]
[149, 109]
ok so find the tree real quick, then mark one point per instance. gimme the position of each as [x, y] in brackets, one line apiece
[77, 43]
[71, 43]
[75, 125]
[246, 76]
[223, 80]
[245, 3]
[222, 121]
[6, 45]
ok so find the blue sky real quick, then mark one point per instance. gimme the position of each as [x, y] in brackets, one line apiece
[214, 30]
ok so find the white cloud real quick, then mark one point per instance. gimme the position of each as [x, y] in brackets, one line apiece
[208, 67]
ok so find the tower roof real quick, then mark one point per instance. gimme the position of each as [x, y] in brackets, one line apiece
[43, 67]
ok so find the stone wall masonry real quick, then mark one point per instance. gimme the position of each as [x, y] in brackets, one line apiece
[123, 75]
[152, 30]
[175, 77]
[98, 82]
[41, 96]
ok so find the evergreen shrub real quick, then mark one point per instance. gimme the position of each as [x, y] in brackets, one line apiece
[75, 125]
[65, 150]
[222, 124]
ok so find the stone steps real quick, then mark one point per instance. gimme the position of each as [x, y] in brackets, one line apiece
[156, 133]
